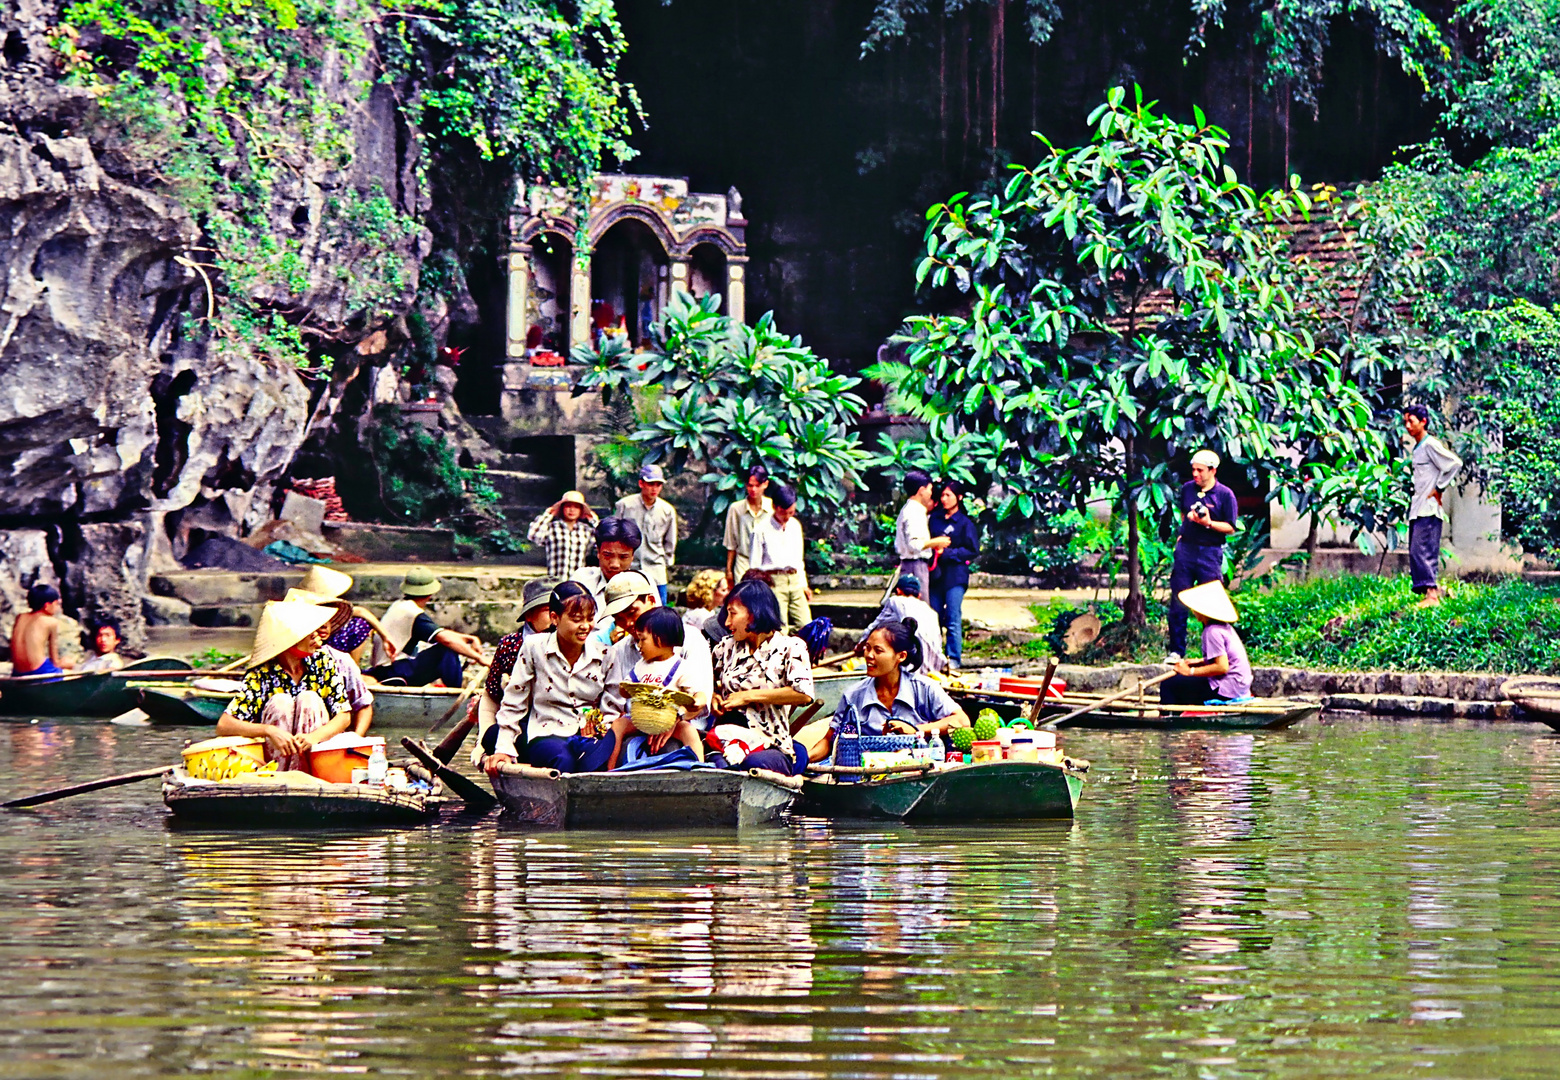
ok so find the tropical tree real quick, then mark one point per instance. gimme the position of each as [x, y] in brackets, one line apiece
[1122, 304]
[734, 396]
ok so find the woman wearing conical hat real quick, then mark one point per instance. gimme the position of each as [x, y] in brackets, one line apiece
[1223, 674]
[352, 636]
[360, 701]
[293, 697]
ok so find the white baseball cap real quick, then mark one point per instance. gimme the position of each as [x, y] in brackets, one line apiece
[1206, 457]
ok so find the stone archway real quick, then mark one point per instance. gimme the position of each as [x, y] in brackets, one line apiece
[630, 279]
[707, 273]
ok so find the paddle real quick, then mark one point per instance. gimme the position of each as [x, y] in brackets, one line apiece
[1045, 685]
[1052, 725]
[82, 789]
[446, 750]
[472, 795]
[459, 701]
[837, 658]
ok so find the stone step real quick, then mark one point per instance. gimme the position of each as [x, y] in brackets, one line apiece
[523, 488]
[488, 619]
[371, 582]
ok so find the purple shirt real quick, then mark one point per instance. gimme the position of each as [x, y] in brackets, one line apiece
[1220, 639]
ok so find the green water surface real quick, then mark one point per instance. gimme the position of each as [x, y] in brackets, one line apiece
[1347, 899]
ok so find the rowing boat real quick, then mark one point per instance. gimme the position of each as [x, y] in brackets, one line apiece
[1538, 696]
[652, 799]
[992, 791]
[107, 693]
[278, 804]
[1148, 712]
[394, 706]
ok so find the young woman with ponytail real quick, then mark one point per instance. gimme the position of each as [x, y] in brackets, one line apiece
[893, 698]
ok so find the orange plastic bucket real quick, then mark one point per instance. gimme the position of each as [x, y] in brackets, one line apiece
[334, 759]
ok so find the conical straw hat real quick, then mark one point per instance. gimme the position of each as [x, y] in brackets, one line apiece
[323, 581]
[283, 625]
[343, 610]
[1211, 600]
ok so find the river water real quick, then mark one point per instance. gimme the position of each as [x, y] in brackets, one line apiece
[1350, 898]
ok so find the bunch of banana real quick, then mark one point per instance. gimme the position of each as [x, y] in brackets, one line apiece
[230, 765]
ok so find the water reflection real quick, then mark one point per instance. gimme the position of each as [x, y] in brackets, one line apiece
[1349, 900]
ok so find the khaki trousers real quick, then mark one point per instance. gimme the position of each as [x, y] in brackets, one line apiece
[795, 611]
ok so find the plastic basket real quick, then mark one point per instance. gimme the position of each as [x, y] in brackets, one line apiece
[877, 744]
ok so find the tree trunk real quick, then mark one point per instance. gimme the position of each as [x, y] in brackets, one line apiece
[1135, 610]
[1310, 544]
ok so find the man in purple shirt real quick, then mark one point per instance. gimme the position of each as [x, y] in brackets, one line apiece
[1207, 516]
[1224, 672]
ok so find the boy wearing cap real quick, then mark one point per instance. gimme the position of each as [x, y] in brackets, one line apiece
[1224, 672]
[565, 530]
[657, 522]
[906, 603]
[1208, 514]
[740, 519]
[416, 649]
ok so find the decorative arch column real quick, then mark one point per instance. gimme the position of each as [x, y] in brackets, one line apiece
[579, 297]
[736, 287]
[519, 288]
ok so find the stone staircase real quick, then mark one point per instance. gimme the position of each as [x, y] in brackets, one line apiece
[527, 482]
[482, 600]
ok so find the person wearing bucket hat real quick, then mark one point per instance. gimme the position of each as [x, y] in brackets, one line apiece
[565, 530]
[293, 695]
[907, 603]
[657, 522]
[1208, 513]
[1224, 672]
[359, 700]
[415, 649]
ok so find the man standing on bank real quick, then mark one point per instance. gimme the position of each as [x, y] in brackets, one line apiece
[740, 518]
[778, 549]
[1208, 515]
[657, 522]
[913, 540]
[1434, 467]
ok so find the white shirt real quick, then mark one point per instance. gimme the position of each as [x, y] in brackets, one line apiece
[927, 629]
[696, 675]
[911, 533]
[658, 534]
[544, 694]
[776, 547]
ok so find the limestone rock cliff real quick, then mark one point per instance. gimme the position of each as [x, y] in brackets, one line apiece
[119, 414]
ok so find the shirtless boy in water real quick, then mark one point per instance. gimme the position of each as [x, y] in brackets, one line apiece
[35, 636]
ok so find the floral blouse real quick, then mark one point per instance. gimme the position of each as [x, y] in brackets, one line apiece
[780, 662]
[320, 674]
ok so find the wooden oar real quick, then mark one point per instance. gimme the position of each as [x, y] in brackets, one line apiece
[837, 658]
[1036, 706]
[82, 789]
[464, 694]
[447, 749]
[472, 795]
[1052, 725]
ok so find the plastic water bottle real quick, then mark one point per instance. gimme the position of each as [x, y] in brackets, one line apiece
[378, 764]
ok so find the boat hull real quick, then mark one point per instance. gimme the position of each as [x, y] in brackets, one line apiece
[394, 707]
[266, 806]
[653, 799]
[106, 694]
[1272, 714]
[999, 791]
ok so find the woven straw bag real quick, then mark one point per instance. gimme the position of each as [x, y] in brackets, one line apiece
[653, 709]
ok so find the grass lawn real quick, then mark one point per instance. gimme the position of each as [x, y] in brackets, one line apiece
[1360, 623]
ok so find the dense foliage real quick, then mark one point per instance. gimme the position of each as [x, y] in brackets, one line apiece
[242, 110]
[733, 396]
[1127, 302]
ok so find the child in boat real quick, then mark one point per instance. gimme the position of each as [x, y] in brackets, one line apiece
[35, 646]
[658, 633]
[1224, 673]
[104, 637]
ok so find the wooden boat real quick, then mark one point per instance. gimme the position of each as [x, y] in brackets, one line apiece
[277, 804]
[394, 706]
[1259, 713]
[652, 799]
[1538, 696]
[992, 791]
[107, 693]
